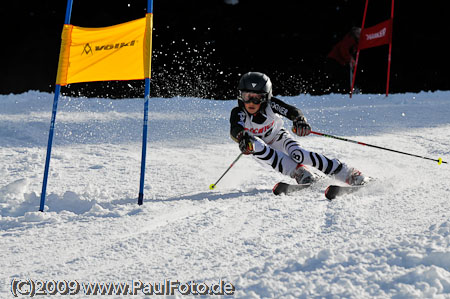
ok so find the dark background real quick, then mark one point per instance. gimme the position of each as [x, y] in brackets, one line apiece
[201, 47]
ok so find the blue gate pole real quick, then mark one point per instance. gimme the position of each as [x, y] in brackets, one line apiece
[144, 142]
[52, 122]
[145, 126]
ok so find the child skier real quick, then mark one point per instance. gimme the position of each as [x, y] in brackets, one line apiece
[257, 126]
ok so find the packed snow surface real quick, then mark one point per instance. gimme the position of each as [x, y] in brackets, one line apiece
[390, 240]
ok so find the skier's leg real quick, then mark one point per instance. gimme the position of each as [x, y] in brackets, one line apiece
[277, 159]
[286, 143]
[332, 167]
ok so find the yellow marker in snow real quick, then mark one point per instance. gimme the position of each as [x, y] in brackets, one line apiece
[440, 161]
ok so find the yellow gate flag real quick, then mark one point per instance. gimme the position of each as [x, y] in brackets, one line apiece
[119, 52]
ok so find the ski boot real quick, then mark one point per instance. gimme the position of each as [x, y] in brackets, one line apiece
[350, 175]
[302, 175]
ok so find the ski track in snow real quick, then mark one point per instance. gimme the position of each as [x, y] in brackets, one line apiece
[390, 240]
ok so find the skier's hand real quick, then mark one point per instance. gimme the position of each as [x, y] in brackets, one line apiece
[301, 126]
[246, 143]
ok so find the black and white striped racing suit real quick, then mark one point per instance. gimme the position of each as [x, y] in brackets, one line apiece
[274, 145]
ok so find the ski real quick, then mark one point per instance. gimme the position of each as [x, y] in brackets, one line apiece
[334, 191]
[285, 188]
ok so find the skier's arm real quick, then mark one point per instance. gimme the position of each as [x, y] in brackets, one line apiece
[345, 50]
[300, 124]
[288, 111]
[237, 120]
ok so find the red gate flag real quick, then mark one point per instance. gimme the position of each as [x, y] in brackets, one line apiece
[378, 35]
[375, 36]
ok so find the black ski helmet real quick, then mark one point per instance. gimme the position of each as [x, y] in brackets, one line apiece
[256, 82]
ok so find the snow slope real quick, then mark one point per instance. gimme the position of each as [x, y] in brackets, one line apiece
[391, 240]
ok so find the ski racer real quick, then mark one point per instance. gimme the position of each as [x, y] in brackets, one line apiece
[257, 125]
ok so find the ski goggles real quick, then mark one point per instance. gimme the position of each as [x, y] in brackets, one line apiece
[252, 97]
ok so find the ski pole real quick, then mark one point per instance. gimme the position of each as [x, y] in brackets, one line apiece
[212, 186]
[439, 160]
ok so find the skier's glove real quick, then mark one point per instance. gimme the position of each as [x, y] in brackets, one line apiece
[246, 143]
[301, 126]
